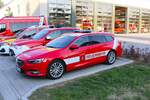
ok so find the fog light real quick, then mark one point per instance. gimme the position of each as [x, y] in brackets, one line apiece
[35, 72]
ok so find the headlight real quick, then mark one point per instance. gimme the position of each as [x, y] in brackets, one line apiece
[36, 61]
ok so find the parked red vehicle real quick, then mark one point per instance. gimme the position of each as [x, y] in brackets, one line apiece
[39, 39]
[10, 25]
[27, 33]
[69, 52]
[3, 38]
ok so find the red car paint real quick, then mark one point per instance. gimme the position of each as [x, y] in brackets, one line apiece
[73, 59]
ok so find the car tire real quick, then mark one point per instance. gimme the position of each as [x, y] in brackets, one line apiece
[56, 69]
[11, 53]
[111, 57]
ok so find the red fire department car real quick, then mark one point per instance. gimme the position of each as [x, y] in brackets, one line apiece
[69, 52]
[10, 25]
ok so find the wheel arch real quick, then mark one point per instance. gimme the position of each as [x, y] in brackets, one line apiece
[59, 59]
[114, 51]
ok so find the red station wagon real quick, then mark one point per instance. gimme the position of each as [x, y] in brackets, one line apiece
[69, 52]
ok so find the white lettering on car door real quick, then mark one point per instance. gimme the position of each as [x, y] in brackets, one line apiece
[72, 60]
[96, 55]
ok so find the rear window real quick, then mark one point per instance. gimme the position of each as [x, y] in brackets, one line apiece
[109, 38]
[97, 38]
[2, 27]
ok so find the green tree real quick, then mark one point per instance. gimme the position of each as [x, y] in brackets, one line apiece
[1, 4]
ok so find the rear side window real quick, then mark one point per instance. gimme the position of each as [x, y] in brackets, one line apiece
[82, 41]
[109, 38]
[96, 39]
[2, 27]
[20, 25]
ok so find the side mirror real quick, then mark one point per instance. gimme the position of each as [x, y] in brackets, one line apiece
[48, 38]
[74, 46]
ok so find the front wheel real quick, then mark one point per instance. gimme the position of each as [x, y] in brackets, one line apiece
[111, 57]
[11, 53]
[56, 69]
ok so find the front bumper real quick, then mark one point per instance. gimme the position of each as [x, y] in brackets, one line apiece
[34, 70]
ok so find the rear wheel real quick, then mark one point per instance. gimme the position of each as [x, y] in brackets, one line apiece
[56, 69]
[111, 57]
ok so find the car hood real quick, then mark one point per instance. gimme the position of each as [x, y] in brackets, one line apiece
[28, 42]
[37, 52]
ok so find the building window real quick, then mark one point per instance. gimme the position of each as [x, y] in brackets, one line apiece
[120, 20]
[104, 17]
[134, 18]
[84, 14]
[60, 12]
[145, 24]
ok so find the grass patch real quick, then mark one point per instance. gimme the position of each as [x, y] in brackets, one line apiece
[131, 82]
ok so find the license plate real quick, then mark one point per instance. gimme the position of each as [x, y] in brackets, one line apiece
[18, 69]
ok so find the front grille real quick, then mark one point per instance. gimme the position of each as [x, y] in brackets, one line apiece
[20, 62]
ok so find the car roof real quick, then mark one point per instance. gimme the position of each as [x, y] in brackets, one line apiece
[93, 33]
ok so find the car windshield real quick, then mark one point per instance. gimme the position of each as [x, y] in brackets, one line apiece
[18, 32]
[60, 42]
[40, 34]
[26, 33]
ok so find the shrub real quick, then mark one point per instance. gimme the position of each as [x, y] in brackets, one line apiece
[137, 54]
